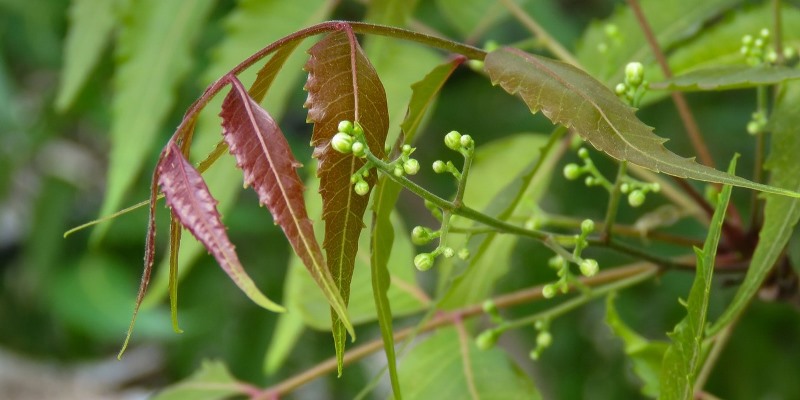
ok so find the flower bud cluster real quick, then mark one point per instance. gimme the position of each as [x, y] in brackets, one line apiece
[543, 339]
[561, 261]
[574, 171]
[612, 34]
[634, 86]
[757, 49]
[637, 190]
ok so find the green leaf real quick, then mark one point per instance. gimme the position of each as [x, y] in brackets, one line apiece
[343, 85]
[727, 78]
[91, 26]
[423, 94]
[780, 214]
[605, 57]
[646, 355]
[246, 33]
[568, 96]
[447, 365]
[471, 17]
[211, 382]
[153, 56]
[504, 172]
[683, 357]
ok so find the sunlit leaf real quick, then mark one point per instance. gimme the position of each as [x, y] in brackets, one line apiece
[445, 366]
[263, 153]
[646, 355]
[568, 96]
[780, 214]
[187, 195]
[683, 356]
[153, 56]
[342, 85]
[211, 382]
[728, 77]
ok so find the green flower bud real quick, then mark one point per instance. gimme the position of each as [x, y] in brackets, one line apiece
[636, 198]
[764, 33]
[345, 127]
[655, 187]
[466, 141]
[634, 73]
[398, 170]
[587, 226]
[583, 153]
[611, 30]
[342, 142]
[358, 130]
[424, 261]
[590, 181]
[420, 235]
[358, 149]
[789, 52]
[361, 188]
[589, 267]
[448, 252]
[758, 43]
[407, 149]
[572, 171]
[747, 40]
[548, 291]
[487, 339]
[544, 339]
[411, 167]
[463, 253]
[620, 89]
[453, 140]
[439, 167]
[555, 262]
[625, 188]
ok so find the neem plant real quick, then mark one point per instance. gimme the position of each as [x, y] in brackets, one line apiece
[360, 170]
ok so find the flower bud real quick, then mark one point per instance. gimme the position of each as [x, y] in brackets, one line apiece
[555, 262]
[342, 142]
[463, 253]
[453, 140]
[544, 339]
[548, 291]
[572, 171]
[448, 252]
[439, 167]
[487, 339]
[358, 130]
[636, 198]
[589, 267]
[634, 73]
[358, 149]
[587, 226]
[345, 127]
[423, 261]
[466, 141]
[407, 149]
[411, 167]
[583, 153]
[420, 235]
[361, 188]
[398, 170]
[620, 89]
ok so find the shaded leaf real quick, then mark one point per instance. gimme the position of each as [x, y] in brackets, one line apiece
[728, 77]
[471, 17]
[568, 96]
[211, 382]
[423, 94]
[263, 153]
[187, 195]
[152, 58]
[780, 213]
[437, 368]
[682, 358]
[646, 355]
[342, 85]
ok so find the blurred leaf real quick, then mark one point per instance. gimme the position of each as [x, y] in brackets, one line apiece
[604, 56]
[727, 78]
[423, 94]
[646, 355]
[343, 85]
[211, 382]
[187, 195]
[682, 358]
[568, 96]
[288, 329]
[263, 153]
[91, 27]
[445, 366]
[152, 58]
[504, 172]
[471, 17]
[246, 33]
[781, 213]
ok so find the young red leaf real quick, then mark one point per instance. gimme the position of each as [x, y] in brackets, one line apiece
[263, 154]
[343, 85]
[192, 204]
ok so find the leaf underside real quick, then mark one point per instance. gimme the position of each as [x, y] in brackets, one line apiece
[342, 85]
[262, 152]
[568, 96]
[728, 77]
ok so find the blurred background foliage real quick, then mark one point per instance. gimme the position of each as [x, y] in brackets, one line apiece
[67, 302]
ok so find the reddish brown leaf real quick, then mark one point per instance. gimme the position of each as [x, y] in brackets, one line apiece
[263, 154]
[343, 85]
[192, 204]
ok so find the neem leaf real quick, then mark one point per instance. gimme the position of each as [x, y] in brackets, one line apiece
[728, 77]
[780, 213]
[683, 357]
[423, 94]
[212, 381]
[568, 96]
[192, 204]
[342, 85]
[263, 153]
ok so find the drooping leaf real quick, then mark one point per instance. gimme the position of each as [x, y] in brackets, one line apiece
[212, 381]
[423, 94]
[192, 204]
[604, 56]
[246, 33]
[682, 358]
[342, 85]
[645, 354]
[728, 77]
[780, 214]
[445, 366]
[568, 96]
[153, 56]
[262, 152]
[91, 25]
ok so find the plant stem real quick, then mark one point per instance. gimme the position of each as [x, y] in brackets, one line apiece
[547, 41]
[777, 30]
[758, 167]
[444, 319]
[613, 202]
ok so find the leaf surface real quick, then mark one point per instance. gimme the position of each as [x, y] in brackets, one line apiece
[262, 152]
[568, 96]
[424, 93]
[471, 17]
[780, 214]
[728, 77]
[212, 381]
[682, 358]
[343, 85]
[192, 204]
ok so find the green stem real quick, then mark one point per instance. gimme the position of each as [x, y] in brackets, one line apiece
[613, 202]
